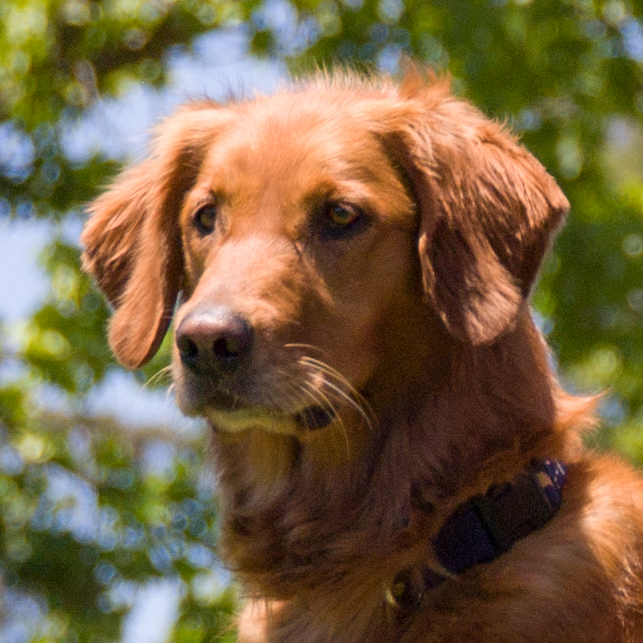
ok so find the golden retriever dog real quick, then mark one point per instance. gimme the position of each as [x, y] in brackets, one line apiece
[348, 264]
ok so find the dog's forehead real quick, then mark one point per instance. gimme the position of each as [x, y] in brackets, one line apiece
[294, 141]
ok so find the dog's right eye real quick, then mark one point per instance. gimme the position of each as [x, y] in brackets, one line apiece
[342, 220]
[205, 218]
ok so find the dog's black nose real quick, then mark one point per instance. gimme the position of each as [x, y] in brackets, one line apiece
[213, 338]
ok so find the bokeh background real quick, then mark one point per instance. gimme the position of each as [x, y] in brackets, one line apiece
[108, 519]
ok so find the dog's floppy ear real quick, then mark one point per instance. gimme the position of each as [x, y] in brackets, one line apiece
[488, 210]
[132, 240]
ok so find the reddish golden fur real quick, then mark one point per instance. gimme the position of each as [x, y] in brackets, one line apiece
[420, 320]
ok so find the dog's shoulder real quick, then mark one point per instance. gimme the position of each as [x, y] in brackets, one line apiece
[604, 499]
[581, 575]
[586, 566]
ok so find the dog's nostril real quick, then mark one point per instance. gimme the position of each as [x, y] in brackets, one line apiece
[212, 338]
[188, 350]
[227, 347]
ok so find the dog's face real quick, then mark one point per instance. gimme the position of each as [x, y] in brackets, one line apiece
[298, 238]
[313, 236]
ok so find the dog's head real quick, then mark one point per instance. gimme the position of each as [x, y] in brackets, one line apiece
[311, 237]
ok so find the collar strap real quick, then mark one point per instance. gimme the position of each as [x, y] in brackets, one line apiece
[486, 526]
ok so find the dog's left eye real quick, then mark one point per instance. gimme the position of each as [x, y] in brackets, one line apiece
[205, 218]
[341, 218]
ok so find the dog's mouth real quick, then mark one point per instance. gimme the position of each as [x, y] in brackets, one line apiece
[314, 417]
[235, 420]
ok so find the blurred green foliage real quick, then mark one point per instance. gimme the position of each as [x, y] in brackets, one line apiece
[89, 515]
[85, 518]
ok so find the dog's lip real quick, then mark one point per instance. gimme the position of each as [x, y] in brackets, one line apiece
[235, 420]
[314, 417]
[242, 419]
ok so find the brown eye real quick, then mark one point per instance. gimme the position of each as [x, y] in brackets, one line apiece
[342, 219]
[205, 218]
[342, 215]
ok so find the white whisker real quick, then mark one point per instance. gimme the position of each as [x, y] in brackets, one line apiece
[348, 392]
[305, 394]
[293, 392]
[314, 391]
[306, 346]
[351, 401]
[157, 376]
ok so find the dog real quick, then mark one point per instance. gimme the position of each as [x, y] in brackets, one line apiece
[348, 264]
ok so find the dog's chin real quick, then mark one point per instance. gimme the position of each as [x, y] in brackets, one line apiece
[299, 423]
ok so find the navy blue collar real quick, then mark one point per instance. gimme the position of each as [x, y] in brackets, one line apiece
[485, 527]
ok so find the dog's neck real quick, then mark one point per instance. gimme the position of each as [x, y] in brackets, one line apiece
[294, 512]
